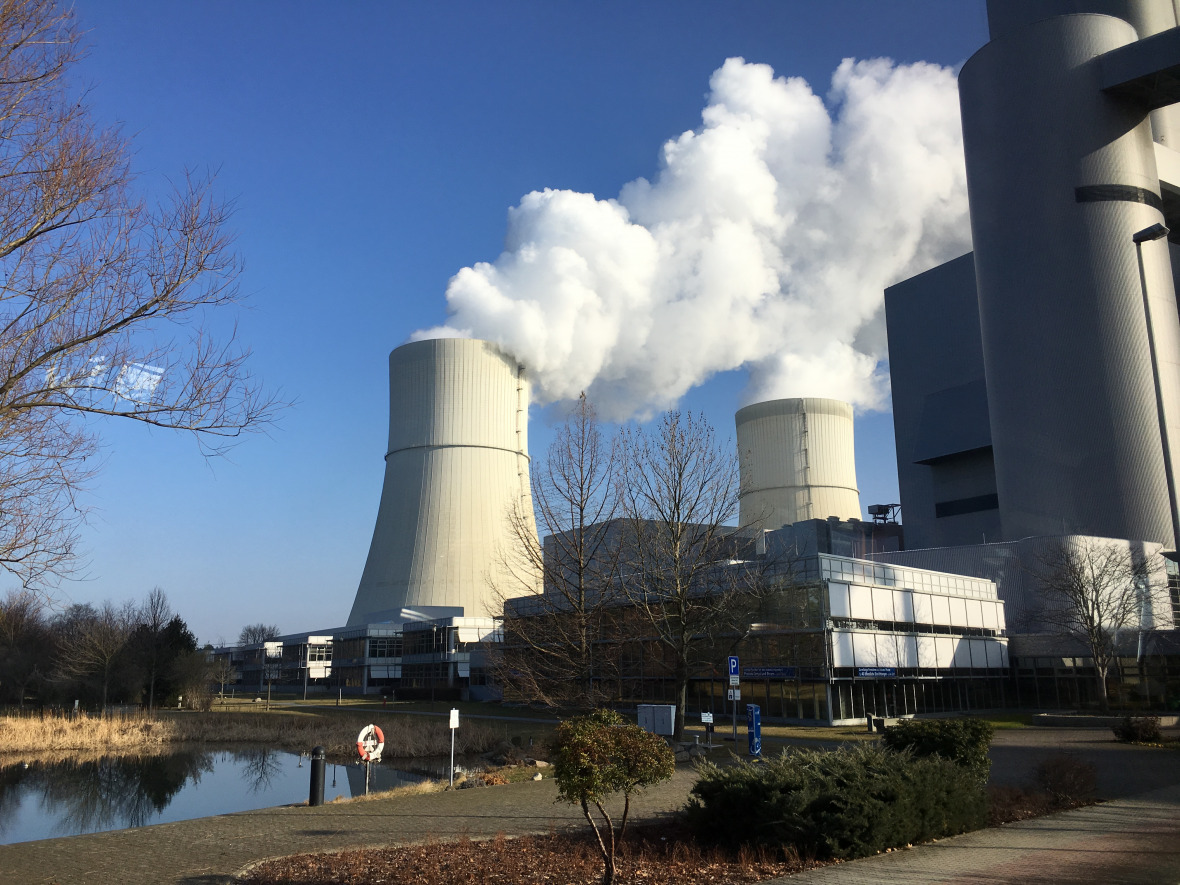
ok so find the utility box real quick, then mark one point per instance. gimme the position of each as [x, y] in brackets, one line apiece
[658, 718]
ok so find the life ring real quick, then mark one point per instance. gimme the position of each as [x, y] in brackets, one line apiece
[369, 743]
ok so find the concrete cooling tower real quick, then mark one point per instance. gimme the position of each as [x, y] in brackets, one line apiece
[457, 463]
[796, 462]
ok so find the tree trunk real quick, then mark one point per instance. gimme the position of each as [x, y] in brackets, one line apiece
[681, 700]
[1103, 700]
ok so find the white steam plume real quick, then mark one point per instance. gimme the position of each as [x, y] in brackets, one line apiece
[765, 242]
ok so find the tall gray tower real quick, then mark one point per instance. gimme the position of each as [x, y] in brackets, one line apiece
[1062, 172]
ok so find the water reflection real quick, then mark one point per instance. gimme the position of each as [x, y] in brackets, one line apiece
[262, 765]
[117, 792]
[43, 800]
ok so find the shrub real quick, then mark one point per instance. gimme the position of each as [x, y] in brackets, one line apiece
[1067, 779]
[1138, 729]
[962, 741]
[846, 803]
[598, 755]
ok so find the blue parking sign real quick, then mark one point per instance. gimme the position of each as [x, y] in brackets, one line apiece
[733, 665]
[754, 728]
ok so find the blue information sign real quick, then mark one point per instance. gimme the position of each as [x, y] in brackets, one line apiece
[733, 665]
[770, 673]
[754, 728]
[877, 672]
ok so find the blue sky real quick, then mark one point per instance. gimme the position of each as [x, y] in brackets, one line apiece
[373, 150]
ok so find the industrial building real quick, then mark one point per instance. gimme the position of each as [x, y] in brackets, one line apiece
[1036, 401]
[1042, 410]
[1044, 399]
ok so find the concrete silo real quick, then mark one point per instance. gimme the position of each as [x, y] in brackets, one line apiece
[456, 465]
[796, 461]
[1062, 174]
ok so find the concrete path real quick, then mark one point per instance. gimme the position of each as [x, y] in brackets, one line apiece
[1123, 842]
[1133, 839]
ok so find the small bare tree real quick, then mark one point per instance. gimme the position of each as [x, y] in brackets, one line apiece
[104, 298]
[679, 491]
[552, 649]
[1093, 589]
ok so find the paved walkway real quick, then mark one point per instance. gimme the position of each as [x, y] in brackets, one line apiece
[1124, 842]
[1133, 839]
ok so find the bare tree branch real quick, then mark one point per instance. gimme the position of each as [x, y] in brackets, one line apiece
[105, 301]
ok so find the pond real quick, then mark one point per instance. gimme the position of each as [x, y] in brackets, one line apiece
[47, 800]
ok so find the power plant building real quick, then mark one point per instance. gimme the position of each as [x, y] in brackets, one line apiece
[1046, 398]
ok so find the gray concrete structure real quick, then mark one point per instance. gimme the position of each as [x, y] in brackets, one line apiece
[797, 462]
[943, 435]
[1058, 117]
[456, 466]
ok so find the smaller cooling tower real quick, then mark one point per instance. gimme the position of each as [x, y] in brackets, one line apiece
[456, 465]
[796, 462]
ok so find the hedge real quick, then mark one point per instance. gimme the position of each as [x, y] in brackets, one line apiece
[846, 803]
[962, 741]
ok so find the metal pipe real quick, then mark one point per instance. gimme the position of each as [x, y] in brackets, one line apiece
[1155, 232]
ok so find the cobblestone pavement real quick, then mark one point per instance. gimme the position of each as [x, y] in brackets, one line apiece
[1134, 839]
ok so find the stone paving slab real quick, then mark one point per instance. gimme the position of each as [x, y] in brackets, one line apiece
[1124, 842]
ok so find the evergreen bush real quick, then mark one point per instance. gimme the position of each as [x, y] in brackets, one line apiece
[843, 804]
[1138, 729]
[962, 741]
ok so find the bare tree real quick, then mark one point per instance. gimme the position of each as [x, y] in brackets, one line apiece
[553, 641]
[25, 652]
[153, 618]
[104, 298]
[1093, 589]
[679, 488]
[92, 640]
[256, 634]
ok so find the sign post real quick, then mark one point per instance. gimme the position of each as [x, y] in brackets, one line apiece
[754, 728]
[454, 726]
[735, 679]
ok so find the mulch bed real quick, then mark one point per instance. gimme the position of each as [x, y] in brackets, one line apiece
[652, 854]
[663, 853]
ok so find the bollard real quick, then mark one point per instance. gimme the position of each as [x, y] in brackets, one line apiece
[317, 777]
[870, 718]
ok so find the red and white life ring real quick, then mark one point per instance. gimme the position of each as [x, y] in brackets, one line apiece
[369, 743]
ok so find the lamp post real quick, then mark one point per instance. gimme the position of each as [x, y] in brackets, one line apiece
[1148, 234]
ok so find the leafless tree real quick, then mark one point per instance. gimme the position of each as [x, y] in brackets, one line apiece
[92, 640]
[256, 634]
[25, 653]
[553, 641]
[1093, 589]
[152, 621]
[104, 298]
[679, 489]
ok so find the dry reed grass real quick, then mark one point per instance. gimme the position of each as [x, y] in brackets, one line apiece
[405, 736]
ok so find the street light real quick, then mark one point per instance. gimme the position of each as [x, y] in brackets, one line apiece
[1158, 231]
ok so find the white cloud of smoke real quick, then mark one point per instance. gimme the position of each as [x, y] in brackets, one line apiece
[764, 243]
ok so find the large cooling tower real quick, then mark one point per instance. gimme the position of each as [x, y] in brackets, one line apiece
[796, 462]
[457, 463]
